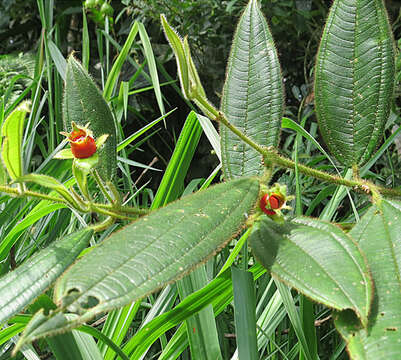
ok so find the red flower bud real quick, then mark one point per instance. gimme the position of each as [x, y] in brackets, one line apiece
[82, 142]
[263, 205]
[276, 201]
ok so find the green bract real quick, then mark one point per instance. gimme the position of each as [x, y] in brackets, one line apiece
[84, 103]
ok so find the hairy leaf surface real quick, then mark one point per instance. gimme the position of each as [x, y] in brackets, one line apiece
[318, 259]
[147, 254]
[252, 95]
[21, 286]
[354, 79]
[83, 103]
[379, 236]
[156, 249]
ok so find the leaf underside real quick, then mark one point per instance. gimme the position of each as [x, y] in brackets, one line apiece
[83, 103]
[354, 79]
[304, 253]
[150, 252]
[379, 236]
[252, 95]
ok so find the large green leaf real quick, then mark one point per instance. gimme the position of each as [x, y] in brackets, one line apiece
[83, 103]
[354, 79]
[21, 286]
[318, 259]
[150, 252]
[252, 95]
[379, 236]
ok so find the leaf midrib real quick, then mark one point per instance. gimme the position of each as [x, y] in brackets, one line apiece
[226, 218]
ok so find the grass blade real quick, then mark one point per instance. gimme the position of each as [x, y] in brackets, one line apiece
[245, 317]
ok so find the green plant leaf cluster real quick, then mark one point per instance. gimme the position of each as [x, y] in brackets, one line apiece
[156, 249]
[353, 269]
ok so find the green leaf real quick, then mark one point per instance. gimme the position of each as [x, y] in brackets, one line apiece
[83, 103]
[112, 79]
[7, 333]
[178, 47]
[252, 95]
[12, 131]
[123, 144]
[116, 327]
[147, 47]
[42, 209]
[305, 254]
[85, 42]
[150, 252]
[194, 79]
[172, 183]
[64, 154]
[379, 236]
[244, 313]
[201, 327]
[354, 79]
[74, 345]
[292, 311]
[57, 58]
[21, 286]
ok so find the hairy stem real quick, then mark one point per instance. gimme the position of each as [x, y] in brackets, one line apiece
[100, 208]
[271, 157]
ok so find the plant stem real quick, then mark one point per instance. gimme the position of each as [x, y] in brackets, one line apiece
[16, 192]
[271, 156]
[113, 214]
[103, 225]
[100, 208]
[101, 185]
[125, 209]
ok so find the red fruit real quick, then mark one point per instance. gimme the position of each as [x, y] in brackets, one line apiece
[82, 143]
[263, 205]
[276, 201]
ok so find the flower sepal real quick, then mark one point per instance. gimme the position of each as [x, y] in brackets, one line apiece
[273, 200]
[87, 164]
